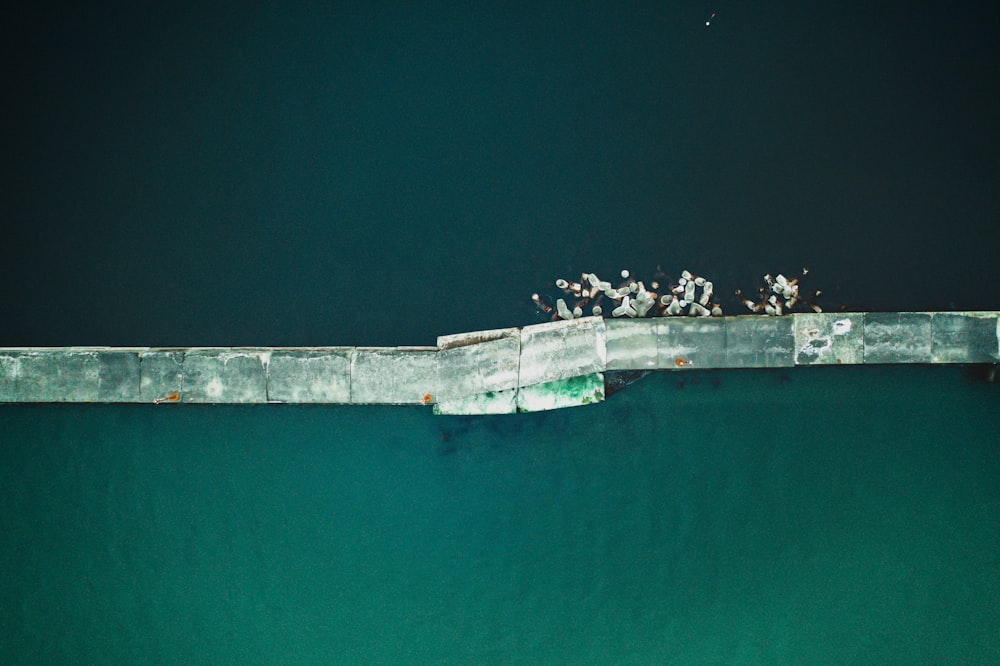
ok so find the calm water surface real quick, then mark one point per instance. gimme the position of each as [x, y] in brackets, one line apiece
[844, 515]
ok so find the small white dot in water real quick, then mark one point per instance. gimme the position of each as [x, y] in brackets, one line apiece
[624, 274]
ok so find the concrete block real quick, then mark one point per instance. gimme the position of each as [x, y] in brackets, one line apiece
[476, 337]
[699, 342]
[9, 366]
[965, 337]
[631, 344]
[482, 367]
[829, 338]
[562, 349]
[399, 376]
[119, 375]
[310, 376]
[897, 337]
[161, 373]
[758, 341]
[58, 375]
[224, 376]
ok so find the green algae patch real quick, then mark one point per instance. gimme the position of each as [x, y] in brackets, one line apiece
[559, 393]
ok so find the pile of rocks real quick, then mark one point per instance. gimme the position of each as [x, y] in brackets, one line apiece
[780, 295]
[691, 295]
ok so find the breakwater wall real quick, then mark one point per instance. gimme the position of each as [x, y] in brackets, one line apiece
[544, 366]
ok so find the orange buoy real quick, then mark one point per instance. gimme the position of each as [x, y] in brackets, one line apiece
[427, 399]
[680, 362]
[173, 397]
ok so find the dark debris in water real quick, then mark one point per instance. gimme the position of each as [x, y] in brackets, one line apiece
[454, 431]
[616, 380]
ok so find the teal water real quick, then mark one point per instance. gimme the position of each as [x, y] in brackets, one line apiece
[839, 515]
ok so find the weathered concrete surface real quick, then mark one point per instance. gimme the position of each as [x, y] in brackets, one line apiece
[395, 376]
[632, 344]
[692, 342]
[562, 349]
[897, 337]
[476, 337]
[547, 366]
[498, 372]
[759, 341]
[9, 360]
[965, 337]
[118, 375]
[224, 376]
[829, 338]
[69, 374]
[480, 363]
[57, 375]
[161, 373]
[310, 375]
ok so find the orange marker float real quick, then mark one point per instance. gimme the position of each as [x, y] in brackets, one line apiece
[680, 362]
[173, 397]
[427, 399]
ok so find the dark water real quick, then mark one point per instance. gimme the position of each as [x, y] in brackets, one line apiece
[364, 173]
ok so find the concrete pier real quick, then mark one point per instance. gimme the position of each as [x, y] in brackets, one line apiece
[545, 366]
